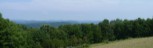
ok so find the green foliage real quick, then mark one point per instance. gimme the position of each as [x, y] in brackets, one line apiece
[106, 30]
[11, 36]
[0, 15]
[18, 36]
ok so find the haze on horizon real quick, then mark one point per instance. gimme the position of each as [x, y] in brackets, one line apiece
[76, 9]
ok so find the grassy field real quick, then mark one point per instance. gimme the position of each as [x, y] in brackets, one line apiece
[129, 43]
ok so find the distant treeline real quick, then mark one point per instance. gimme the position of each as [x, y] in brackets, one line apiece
[67, 36]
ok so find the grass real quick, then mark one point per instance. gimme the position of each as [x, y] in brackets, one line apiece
[146, 42]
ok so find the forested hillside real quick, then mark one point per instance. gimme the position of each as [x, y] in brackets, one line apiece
[14, 35]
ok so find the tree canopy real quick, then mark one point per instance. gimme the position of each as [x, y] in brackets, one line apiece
[14, 35]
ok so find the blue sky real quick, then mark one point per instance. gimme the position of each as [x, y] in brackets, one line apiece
[75, 9]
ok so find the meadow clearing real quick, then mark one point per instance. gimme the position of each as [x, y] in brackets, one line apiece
[146, 42]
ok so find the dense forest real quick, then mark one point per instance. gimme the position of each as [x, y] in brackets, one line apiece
[14, 35]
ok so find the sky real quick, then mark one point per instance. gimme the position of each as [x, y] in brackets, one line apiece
[76, 9]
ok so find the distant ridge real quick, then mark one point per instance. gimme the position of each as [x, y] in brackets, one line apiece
[37, 24]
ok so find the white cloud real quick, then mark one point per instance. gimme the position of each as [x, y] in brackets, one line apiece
[64, 5]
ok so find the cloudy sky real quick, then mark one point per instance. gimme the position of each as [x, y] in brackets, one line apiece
[75, 9]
